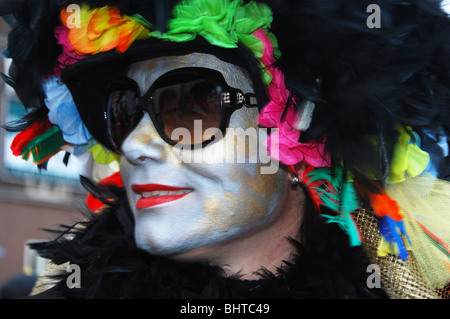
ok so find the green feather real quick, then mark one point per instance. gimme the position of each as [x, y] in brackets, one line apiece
[344, 198]
[340, 197]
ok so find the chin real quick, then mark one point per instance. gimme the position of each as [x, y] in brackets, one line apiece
[193, 249]
[157, 249]
[156, 245]
[167, 246]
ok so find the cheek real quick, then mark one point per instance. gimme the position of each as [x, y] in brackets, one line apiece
[250, 200]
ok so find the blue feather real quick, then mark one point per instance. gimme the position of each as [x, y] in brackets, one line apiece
[394, 232]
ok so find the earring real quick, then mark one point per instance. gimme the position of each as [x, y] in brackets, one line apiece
[295, 182]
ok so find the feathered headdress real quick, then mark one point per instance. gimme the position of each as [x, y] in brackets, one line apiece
[363, 109]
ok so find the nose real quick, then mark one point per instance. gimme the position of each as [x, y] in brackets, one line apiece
[144, 144]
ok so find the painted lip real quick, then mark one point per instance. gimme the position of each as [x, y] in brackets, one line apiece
[156, 194]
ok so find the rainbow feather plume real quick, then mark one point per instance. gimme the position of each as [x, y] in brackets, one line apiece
[41, 140]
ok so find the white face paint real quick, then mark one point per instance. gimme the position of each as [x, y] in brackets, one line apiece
[213, 203]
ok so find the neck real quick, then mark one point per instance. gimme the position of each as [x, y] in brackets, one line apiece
[265, 248]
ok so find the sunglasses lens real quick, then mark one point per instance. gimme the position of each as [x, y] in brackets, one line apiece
[123, 113]
[187, 107]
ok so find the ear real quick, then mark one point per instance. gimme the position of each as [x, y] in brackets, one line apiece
[297, 171]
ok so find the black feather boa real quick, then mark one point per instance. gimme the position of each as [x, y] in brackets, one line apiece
[112, 266]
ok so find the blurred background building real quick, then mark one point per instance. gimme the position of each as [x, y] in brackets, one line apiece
[31, 200]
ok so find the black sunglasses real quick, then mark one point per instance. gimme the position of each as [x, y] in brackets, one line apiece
[192, 103]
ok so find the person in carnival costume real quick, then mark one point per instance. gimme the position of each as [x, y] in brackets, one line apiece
[352, 106]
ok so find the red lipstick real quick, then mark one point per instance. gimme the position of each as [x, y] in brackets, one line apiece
[155, 194]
